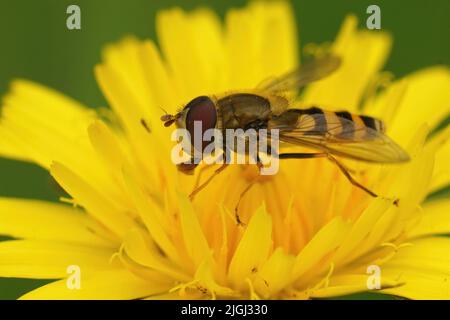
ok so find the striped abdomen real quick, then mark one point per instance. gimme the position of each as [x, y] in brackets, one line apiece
[341, 124]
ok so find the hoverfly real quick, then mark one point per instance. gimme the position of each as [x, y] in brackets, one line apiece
[330, 133]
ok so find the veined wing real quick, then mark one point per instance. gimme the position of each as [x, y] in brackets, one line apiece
[308, 72]
[339, 133]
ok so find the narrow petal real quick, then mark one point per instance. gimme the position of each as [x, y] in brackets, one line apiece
[106, 212]
[325, 241]
[424, 267]
[35, 115]
[193, 47]
[124, 60]
[426, 99]
[121, 99]
[363, 54]
[135, 81]
[384, 105]
[131, 111]
[351, 283]
[40, 259]
[261, 42]
[56, 222]
[194, 239]
[36, 102]
[409, 183]
[360, 229]
[441, 174]
[253, 249]
[421, 97]
[143, 251]
[205, 277]
[10, 146]
[158, 79]
[106, 285]
[151, 216]
[275, 273]
[106, 145]
[435, 219]
[137, 85]
[48, 126]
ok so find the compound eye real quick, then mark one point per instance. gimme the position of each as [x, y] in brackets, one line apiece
[203, 110]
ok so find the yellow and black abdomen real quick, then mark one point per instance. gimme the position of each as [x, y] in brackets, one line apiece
[357, 127]
[318, 122]
[343, 124]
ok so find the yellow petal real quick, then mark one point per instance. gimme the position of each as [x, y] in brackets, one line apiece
[194, 239]
[131, 111]
[159, 82]
[36, 115]
[99, 207]
[385, 104]
[42, 259]
[253, 248]
[124, 103]
[205, 277]
[106, 285]
[135, 82]
[151, 215]
[435, 219]
[325, 241]
[409, 183]
[106, 145]
[424, 267]
[275, 272]
[379, 232]
[10, 146]
[360, 229]
[49, 127]
[143, 251]
[426, 100]
[114, 153]
[441, 174]
[124, 60]
[351, 283]
[363, 54]
[192, 45]
[56, 222]
[261, 42]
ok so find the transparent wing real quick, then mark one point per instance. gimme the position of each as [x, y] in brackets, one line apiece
[344, 138]
[308, 72]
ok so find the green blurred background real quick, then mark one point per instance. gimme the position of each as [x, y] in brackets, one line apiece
[35, 44]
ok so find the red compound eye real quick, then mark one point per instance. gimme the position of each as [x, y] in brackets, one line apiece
[201, 109]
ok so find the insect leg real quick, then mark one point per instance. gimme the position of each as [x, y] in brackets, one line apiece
[200, 174]
[204, 184]
[247, 188]
[332, 159]
[349, 177]
[312, 155]
[236, 209]
[302, 155]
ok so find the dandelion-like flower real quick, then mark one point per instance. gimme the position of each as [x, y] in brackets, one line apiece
[130, 227]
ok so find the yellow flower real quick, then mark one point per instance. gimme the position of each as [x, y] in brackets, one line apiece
[132, 230]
